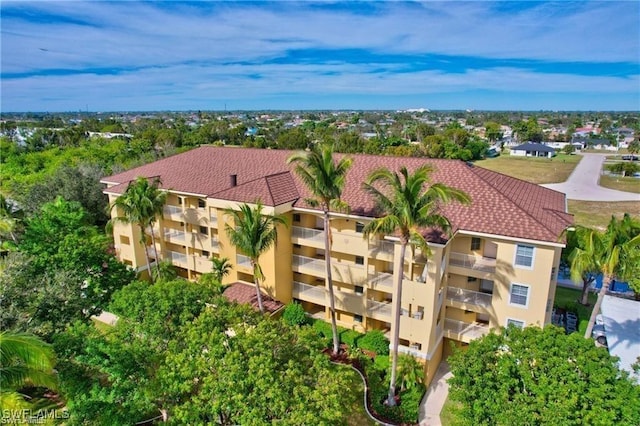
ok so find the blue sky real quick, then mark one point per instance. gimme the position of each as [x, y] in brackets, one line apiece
[132, 56]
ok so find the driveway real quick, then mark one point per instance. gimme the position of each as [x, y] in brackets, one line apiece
[583, 183]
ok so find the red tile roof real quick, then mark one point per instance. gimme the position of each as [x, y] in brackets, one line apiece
[501, 205]
[246, 294]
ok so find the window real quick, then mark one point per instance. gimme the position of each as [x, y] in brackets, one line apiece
[359, 260]
[205, 254]
[297, 246]
[486, 286]
[359, 289]
[359, 227]
[204, 230]
[519, 295]
[471, 279]
[524, 256]
[515, 323]
[475, 243]
[201, 203]
[357, 318]
[296, 217]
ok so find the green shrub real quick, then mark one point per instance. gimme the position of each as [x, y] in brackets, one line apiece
[294, 315]
[374, 341]
[381, 365]
[628, 168]
[410, 403]
[350, 337]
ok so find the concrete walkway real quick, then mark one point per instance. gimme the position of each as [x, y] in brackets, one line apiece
[436, 395]
[106, 317]
[583, 182]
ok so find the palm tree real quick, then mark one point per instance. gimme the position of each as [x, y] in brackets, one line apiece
[253, 233]
[25, 361]
[221, 267]
[613, 252]
[583, 269]
[407, 208]
[141, 204]
[325, 179]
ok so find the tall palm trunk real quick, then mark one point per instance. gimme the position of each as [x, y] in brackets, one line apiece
[397, 301]
[327, 264]
[256, 281]
[155, 250]
[606, 282]
[143, 241]
[584, 298]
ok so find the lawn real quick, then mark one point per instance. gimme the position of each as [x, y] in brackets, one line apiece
[628, 184]
[570, 297]
[535, 170]
[596, 214]
[354, 402]
[448, 415]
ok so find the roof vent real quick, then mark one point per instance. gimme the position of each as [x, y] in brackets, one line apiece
[233, 180]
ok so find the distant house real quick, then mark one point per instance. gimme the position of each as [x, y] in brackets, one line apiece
[531, 149]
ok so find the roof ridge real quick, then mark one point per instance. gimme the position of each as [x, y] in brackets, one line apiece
[526, 212]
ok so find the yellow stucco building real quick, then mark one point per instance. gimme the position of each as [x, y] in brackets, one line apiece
[499, 265]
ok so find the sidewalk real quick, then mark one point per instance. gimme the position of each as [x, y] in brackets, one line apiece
[436, 395]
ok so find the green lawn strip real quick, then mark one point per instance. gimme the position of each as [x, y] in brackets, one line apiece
[534, 170]
[354, 402]
[627, 184]
[568, 298]
[448, 415]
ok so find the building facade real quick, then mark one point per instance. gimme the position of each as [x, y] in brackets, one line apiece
[499, 265]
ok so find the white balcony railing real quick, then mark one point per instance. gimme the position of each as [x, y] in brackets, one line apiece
[309, 263]
[467, 261]
[243, 261]
[307, 291]
[307, 234]
[465, 329]
[381, 310]
[469, 296]
[171, 210]
[213, 220]
[381, 281]
[215, 244]
[175, 236]
[177, 257]
[382, 245]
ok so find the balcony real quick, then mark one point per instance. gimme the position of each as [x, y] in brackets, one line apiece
[343, 272]
[316, 266]
[175, 236]
[215, 244]
[469, 297]
[310, 293]
[381, 249]
[475, 263]
[243, 261]
[307, 235]
[173, 212]
[203, 264]
[381, 281]
[213, 220]
[176, 258]
[379, 310]
[464, 331]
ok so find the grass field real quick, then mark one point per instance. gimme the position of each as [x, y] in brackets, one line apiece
[354, 403]
[535, 170]
[448, 415]
[628, 184]
[596, 214]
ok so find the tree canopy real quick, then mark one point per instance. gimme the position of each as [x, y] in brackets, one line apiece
[541, 376]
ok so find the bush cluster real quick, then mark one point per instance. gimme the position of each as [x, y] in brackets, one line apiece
[626, 168]
[373, 340]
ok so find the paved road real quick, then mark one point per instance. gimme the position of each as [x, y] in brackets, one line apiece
[583, 183]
